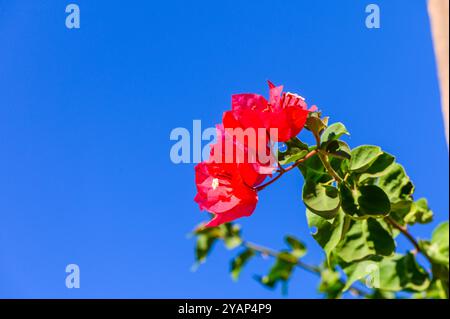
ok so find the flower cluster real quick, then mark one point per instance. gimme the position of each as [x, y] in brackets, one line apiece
[349, 195]
[227, 182]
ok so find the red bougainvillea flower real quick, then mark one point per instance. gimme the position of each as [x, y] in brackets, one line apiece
[225, 183]
[223, 192]
[286, 112]
[231, 147]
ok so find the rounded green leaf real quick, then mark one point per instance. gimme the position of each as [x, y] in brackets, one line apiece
[349, 200]
[333, 132]
[419, 213]
[313, 169]
[338, 149]
[394, 273]
[437, 248]
[239, 262]
[379, 167]
[281, 271]
[363, 156]
[321, 199]
[365, 201]
[373, 201]
[316, 124]
[395, 183]
[298, 249]
[365, 238]
[402, 273]
[366, 269]
[331, 284]
[327, 233]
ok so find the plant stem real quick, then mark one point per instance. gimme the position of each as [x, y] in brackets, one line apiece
[409, 236]
[309, 268]
[326, 163]
[269, 252]
[330, 170]
[285, 170]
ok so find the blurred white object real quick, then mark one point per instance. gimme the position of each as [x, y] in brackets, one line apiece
[438, 11]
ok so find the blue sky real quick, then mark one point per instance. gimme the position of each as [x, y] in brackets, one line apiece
[85, 118]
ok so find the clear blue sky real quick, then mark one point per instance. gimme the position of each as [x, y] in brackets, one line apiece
[85, 118]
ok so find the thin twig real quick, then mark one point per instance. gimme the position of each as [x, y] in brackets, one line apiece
[330, 170]
[326, 162]
[408, 235]
[275, 254]
[309, 268]
[285, 170]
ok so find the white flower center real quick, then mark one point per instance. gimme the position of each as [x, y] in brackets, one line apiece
[215, 183]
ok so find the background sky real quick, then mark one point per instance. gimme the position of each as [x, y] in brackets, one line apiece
[85, 118]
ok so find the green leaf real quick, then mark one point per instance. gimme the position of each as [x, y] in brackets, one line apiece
[316, 124]
[402, 273]
[328, 233]
[333, 132]
[338, 149]
[298, 249]
[379, 166]
[364, 239]
[286, 159]
[419, 213]
[437, 248]
[231, 235]
[313, 169]
[240, 261]
[366, 269]
[331, 284]
[440, 239]
[394, 273]
[295, 151]
[206, 237]
[280, 271]
[321, 199]
[406, 211]
[437, 290]
[204, 244]
[363, 156]
[400, 209]
[380, 294]
[396, 184]
[373, 201]
[349, 201]
[366, 201]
